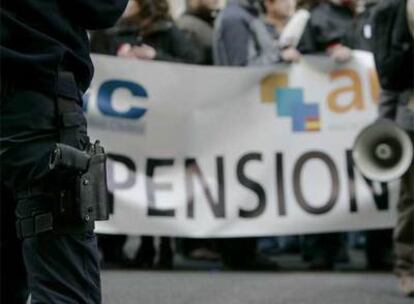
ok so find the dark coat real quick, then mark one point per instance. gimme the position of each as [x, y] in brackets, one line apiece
[329, 24]
[170, 43]
[393, 50]
[360, 37]
[199, 27]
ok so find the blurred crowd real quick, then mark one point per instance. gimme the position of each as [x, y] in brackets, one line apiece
[245, 33]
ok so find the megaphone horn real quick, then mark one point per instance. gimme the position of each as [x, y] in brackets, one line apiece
[383, 151]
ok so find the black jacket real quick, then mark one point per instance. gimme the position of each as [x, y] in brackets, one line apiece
[198, 25]
[362, 30]
[393, 46]
[170, 42]
[328, 24]
[40, 37]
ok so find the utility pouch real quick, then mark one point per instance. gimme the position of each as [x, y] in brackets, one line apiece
[89, 196]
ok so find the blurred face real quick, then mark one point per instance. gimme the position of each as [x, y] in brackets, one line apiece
[280, 8]
[131, 9]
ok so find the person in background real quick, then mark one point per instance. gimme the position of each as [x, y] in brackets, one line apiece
[378, 244]
[327, 32]
[361, 34]
[105, 42]
[393, 45]
[294, 29]
[328, 28]
[404, 232]
[277, 16]
[198, 22]
[147, 32]
[242, 39]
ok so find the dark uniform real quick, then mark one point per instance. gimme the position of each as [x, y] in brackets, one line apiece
[45, 68]
[164, 36]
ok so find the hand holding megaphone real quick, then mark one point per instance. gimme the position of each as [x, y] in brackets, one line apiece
[383, 151]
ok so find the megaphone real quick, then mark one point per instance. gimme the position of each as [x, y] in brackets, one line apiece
[383, 151]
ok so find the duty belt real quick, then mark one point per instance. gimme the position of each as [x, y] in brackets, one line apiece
[34, 225]
[44, 222]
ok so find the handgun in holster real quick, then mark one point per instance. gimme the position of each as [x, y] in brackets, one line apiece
[89, 196]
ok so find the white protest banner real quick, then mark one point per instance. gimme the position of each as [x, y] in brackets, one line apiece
[216, 152]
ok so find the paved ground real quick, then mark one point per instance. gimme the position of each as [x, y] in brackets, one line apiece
[195, 282]
[214, 287]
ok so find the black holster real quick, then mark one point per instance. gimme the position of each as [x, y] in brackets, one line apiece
[88, 199]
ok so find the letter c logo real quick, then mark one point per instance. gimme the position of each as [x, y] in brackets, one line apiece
[106, 93]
